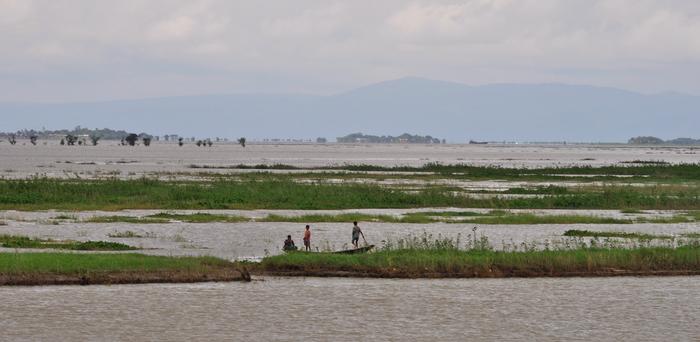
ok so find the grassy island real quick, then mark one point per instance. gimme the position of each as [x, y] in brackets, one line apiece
[452, 263]
[84, 269]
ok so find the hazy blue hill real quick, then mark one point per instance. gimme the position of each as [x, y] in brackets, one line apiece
[419, 106]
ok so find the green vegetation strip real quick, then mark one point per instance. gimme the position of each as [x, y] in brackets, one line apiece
[595, 234]
[464, 217]
[14, 241]
[284, 193]
[413, 263]
[69, 268]
[654, 171]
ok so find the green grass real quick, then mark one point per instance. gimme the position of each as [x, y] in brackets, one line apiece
[452, 262]
[126, 219]
[494, 217]
[282, 192]
[546, 219]
[15, 241]
[199, 217]
[70, 263]
[647, 170]
[595, 234]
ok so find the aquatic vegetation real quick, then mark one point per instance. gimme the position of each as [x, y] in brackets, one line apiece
[131, 234]
[284, 192]
[126, 219]
[626, 235]
[15, 241]
[631, 211]
[649, 169]
[65, 217]
[198, 217]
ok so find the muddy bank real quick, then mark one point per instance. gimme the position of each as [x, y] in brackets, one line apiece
[113, 278]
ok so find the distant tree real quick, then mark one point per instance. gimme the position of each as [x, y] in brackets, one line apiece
[198, 143]
[241, 141]
[32, 139]
[146, 141]
[12, 139]
[131, 139]
[179, 141]
[71, 139]
[209, 143]
[321, 140]
[645, 141]
[94, 138]
[63, 142]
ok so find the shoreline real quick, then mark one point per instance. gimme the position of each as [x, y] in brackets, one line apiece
[121, 278]
[449, 262]
[27, 269]
[482, 275]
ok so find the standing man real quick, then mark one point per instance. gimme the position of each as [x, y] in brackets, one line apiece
[356, 232]
[307, 238]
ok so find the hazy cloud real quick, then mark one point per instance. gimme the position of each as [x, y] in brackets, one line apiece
[74, 49]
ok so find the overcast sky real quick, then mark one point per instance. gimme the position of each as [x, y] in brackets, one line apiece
[62, 50]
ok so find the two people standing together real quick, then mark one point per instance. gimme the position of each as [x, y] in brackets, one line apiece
[289, 243]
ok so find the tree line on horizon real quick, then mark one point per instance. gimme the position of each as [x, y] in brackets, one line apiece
[650, 140]
[388, 139]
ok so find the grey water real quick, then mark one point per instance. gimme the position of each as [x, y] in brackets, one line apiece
[325, 309]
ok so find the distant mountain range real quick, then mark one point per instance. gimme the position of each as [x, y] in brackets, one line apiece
[458, 112]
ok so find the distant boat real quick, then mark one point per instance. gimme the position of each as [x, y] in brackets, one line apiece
[473, 142]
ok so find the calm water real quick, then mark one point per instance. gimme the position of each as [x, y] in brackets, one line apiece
[627, 309]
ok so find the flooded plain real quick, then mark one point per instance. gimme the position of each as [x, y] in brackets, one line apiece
[108, 159]
[322, 309]
[326, 309]
[258, 239]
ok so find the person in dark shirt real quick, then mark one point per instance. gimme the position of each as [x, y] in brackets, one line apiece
[289, 244]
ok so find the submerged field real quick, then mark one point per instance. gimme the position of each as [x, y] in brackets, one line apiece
[626, 213]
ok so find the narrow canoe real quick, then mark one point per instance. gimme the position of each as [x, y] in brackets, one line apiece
[347, 251]
[355, 250]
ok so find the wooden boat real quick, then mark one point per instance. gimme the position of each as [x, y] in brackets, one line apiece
[358, 250]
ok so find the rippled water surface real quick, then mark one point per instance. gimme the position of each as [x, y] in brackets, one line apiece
[257, 239]
[325, 309]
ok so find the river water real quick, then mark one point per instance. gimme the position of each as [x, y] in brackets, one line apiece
[324, 309]
[109, 160]
[258, 239]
